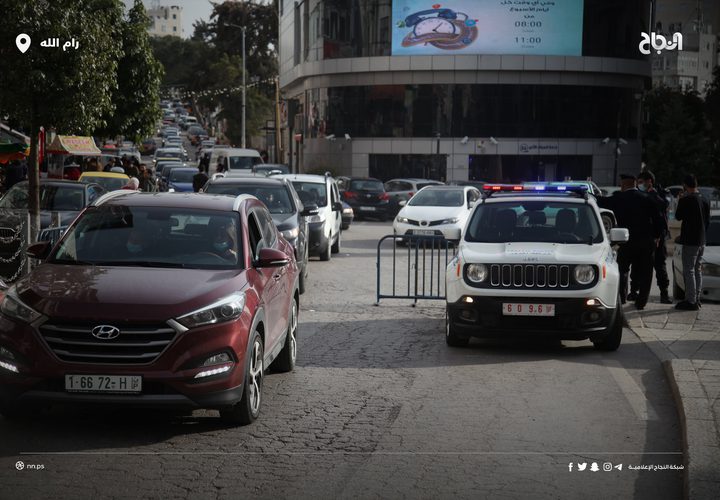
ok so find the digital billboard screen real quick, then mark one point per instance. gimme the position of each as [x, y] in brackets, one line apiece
[540, 27]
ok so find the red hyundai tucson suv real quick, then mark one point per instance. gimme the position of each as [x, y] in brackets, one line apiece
[158, 300]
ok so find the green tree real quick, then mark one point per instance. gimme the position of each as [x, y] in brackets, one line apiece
[675, 137]
[136, 98]
[70, 90]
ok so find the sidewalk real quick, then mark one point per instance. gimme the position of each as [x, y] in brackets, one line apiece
[688, 345]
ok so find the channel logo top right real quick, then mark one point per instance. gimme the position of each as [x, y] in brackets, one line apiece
[659, 42]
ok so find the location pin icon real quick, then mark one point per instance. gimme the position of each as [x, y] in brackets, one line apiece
[23, 42]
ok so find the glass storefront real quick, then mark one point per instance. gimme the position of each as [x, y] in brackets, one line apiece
[527, 168]
[541, 111]
[386, 167]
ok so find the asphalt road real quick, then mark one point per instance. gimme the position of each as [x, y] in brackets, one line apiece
[379, 406]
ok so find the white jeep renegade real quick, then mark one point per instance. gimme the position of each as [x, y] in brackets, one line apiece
[535, 261]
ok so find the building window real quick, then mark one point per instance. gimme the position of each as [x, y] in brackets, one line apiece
[174, 16]
[174, 28]
[163, 28]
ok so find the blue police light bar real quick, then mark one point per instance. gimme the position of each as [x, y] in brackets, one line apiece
[563, 188]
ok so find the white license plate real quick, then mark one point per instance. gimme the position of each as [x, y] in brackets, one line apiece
[367, 209]
[424, 232]
[103, 383]
[513, 309]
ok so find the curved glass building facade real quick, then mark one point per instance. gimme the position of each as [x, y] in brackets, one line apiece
[468, 89]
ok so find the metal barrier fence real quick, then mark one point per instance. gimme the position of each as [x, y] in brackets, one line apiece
[14, 242]
[417, 267]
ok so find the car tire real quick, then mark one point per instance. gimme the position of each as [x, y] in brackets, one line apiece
[301, 282]
[285, 361]
[248, 409]
[612, 340]
[325, 252]
[678, 293]
[451, 337]
[337, 245]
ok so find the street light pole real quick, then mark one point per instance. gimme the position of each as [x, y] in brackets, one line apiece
[244, 88]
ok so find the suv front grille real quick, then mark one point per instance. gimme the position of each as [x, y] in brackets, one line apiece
[531, 277]
[135, 345]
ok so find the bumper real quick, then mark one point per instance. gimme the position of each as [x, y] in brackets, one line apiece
[373, 211]
[168, 381]
[447, 231]
[573, 319]
[317, 239]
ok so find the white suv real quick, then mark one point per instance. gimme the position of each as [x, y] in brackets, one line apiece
[534, 261]
[325, 226]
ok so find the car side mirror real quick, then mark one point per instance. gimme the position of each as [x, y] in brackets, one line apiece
[337, 207]
[619, 235]
[270, 257]
[310, 209]
[39, 250]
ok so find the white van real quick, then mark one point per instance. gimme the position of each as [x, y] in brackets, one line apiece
[234, 158]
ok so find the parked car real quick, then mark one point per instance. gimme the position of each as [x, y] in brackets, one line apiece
[288, 212]
[235, 159]
[203, 299]
[324, 227]
[437, 211]
[164, 175]
[169, 153]
[108, 180]
[368, 198]
[60, 202]
[148, 146]
[535, 264]
[401, 190]
[180, 180]
[710, 264]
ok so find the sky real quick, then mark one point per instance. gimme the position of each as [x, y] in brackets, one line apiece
[192, 10]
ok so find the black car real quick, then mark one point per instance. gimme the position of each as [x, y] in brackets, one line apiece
[65, 199]
[368, 198]
[288, 212]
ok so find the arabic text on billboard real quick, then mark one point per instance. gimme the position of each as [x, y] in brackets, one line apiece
[541, 27]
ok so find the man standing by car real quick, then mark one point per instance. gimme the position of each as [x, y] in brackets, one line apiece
[646, 184]
[694, 212]
[199, 179]
[638, 214]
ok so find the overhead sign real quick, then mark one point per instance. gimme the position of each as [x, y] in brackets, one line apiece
[541, 27]
[74, 145]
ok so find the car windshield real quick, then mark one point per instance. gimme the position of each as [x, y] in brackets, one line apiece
[52, 197]
[713, 233]
[243, 162]
[109, 183]
[367, 185]
[182, 175]
[113, 235]
[534, 221]
[276, 198]
[438, 198]
[311, 192]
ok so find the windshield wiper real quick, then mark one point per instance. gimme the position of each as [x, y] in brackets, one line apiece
[142, 263]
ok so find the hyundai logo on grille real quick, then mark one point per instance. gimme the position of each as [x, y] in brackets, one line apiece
[106, 332]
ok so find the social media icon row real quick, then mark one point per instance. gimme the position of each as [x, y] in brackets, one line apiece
[594, 467]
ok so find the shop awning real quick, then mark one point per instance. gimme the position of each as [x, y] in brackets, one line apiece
[74, 145]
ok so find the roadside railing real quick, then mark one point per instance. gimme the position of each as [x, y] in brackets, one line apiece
[412, 267]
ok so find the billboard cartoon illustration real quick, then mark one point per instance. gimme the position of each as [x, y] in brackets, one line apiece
[440, 27]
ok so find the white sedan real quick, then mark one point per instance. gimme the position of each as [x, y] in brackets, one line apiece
[437, 211]
[710, 266]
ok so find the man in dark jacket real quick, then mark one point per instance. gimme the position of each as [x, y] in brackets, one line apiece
[199, 179]
[694, 212]
[646, 184]
[638, 214]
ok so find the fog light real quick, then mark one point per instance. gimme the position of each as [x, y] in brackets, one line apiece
[591, 302]
[594, 316]
[9, 366]
[218, 359]
[469, 300]
[216, 371]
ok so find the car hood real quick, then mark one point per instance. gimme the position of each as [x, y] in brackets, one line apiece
[540, 253]
[73, 292]
[433, 213]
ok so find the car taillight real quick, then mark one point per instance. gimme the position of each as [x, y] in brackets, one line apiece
[349, 195]
[383, 196]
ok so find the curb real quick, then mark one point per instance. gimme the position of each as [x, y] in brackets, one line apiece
[700, 439]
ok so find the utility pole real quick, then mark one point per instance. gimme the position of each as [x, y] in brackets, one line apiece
[244, 88]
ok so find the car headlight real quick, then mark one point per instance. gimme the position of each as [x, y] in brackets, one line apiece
[710, 269]
[228, 309]
[454, 220]
[477, 273]
[291, 234]
[348, 210]
[12, 307]
[316, 218]
[402, 220]
[584, 274]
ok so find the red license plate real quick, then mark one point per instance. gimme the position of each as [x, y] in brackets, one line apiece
[515, 309]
